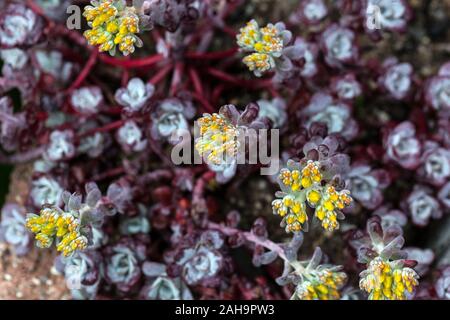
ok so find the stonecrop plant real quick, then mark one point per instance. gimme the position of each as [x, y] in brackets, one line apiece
[136, 148]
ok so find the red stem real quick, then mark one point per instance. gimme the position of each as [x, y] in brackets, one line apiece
[110, 126]
[161, 74]
[176, 79]
[85, 72]
[229, 31]
[205, 104]
[212, 55]
[193, 75]
[125, 77]
[72, 35]
[132, 63]
[108, 174]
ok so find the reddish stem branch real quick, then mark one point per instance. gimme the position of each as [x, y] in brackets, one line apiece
[85, 72]
[161, 74]
[193, 75]
[108, 174]
[176, 79]
[75, 37]
[250, 237]
[249, 84]
[132, 63]
[110, 126]
[212, 55]
[205, 104]
[125, 77]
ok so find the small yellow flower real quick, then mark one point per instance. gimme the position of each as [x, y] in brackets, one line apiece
[386, 280]
[52, 224]
[321, 285]
[266, 44]
[304, 185]
[112, 25]
[331, 201]
[218, 138]
[311, 174]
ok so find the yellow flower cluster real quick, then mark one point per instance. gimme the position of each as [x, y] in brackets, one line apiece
[218, 138]
[383, 280]
[113, 24]
[51, 224]
[305, 185]
[321, 285]
[265, 43]
[331, 200]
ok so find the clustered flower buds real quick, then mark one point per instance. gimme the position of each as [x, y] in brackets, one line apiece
[113, 24]
[321, 284]
[221, 136]
[303, 184]
[389, 276]
[314, 281]
[266, 43]
[388, 280]
[52, 225]
[218, 138]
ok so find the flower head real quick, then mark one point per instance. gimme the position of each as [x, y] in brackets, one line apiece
[321, 284]
[113, 24]
[303, 184]
[388, 280]
[54, 224]
[218, 138]
[314, 281]
[266, 43]
[389, 276]
[71, 228]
